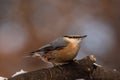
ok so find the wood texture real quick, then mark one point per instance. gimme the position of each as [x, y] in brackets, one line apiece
[79, 69]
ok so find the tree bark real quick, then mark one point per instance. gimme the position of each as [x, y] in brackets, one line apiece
[79, 69]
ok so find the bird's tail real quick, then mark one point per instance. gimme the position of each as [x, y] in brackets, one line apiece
[33, 54]
[37, 54]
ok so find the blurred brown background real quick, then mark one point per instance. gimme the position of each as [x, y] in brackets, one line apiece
[25, 25]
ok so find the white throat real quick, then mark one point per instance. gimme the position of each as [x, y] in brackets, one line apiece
[74, 41]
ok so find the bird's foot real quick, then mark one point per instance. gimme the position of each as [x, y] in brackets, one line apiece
[58, 65]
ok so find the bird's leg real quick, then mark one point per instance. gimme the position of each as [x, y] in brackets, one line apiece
[58, 65]
[75, 60]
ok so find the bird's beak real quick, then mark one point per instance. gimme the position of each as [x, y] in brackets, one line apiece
[84, 36]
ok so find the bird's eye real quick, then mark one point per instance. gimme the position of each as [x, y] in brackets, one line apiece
[75, 37]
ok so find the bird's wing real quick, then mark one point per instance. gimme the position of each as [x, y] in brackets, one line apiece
[54, 45]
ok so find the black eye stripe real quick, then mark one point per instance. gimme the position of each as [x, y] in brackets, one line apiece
[76, 36]
[72, 36]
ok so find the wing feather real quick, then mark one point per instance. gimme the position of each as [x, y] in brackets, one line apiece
[54, 45]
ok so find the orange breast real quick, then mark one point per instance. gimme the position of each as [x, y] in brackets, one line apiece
[66, 54]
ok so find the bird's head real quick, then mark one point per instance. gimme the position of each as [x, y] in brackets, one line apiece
[74, 38]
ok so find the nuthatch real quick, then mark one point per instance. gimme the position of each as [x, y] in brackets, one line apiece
[61, 50]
